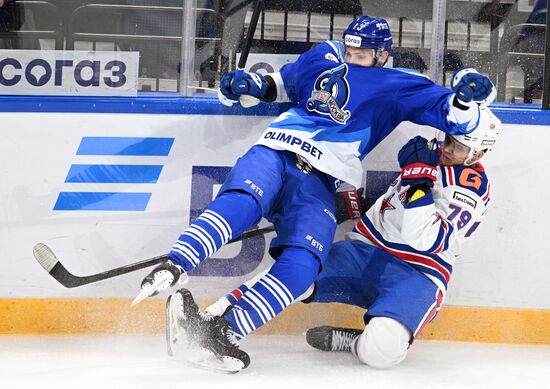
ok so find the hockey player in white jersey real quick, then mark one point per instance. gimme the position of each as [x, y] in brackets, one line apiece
[345, 104]
[398, 260]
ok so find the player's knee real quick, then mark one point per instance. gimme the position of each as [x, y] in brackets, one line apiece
[384, 343]
[299, 267]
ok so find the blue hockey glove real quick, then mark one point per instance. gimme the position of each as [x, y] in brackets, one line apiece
[238, 85]
[469, 85]
[418, 162]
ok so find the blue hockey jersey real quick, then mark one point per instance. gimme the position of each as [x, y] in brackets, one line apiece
[344, 110]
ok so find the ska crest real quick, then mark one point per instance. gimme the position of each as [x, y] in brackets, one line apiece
[331, 94]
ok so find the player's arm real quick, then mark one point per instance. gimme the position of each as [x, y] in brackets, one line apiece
[436, 227]
[453, 113]
[471, 90]
[421, 227]
[250, 88]
[427, 226]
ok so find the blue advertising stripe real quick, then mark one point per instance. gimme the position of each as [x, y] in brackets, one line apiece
[102, 201]
[173, 103]
[115, 174]
[106, 145]
[144, 103]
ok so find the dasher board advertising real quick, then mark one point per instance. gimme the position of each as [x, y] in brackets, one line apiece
[68, 73]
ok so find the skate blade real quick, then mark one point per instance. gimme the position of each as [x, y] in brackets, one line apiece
[160, 283]
[172, 335]
[177, 339]
[206, 360]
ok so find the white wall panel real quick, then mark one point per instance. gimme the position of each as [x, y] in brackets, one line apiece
[505, 263]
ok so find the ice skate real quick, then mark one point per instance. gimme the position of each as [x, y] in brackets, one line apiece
[203, 340]
[182, 321]
[218, 341]
[327, 338]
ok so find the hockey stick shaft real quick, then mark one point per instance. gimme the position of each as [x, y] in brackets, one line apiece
[47, 259]
[250, 34]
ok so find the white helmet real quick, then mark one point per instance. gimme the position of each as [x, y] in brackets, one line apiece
[484, 137]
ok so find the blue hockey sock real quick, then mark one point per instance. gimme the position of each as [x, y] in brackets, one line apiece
[227, 217]
[290, 276]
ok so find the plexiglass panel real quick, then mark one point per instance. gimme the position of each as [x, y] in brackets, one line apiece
[289, 28]
[502, 38]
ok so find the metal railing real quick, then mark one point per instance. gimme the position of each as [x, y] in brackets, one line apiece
[73, 34]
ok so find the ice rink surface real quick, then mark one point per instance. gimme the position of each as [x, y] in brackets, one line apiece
[140, 361]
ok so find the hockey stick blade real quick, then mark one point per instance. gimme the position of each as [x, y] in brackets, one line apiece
[48, 260]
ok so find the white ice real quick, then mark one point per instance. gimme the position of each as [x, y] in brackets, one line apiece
[285, 362]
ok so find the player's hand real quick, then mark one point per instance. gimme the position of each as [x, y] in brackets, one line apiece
[418, 162]
[162, 277]
[247, 88]
[350, 205]
[470, 86]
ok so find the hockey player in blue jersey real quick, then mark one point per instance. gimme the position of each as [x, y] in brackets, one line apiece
[345, 104]
[397, 261]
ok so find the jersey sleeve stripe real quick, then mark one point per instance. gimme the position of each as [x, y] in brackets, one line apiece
[403, 247]
[443, 175]
[428, 264]
[442, 241]
[485, 196]
[450, 175]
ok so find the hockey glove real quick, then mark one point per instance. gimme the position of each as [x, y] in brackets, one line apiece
[418, 162]
[470, 86]
[247, 88]
[350, 205]
[162, 277]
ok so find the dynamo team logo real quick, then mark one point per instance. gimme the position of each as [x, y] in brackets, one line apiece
[331, 94]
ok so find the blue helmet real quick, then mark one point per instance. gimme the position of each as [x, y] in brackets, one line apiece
[368, 33]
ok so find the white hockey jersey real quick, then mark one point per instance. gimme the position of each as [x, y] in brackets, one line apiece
[429, 232]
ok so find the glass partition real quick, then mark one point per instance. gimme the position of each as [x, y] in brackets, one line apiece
[289, 28]
[502, 38]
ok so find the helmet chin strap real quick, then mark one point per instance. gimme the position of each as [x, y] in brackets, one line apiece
[473, 158]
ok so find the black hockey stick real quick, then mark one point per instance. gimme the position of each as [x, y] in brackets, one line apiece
[250, 34]
[47, 259]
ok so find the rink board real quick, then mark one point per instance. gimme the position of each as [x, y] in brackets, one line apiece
[97, 316]
[108, 188]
